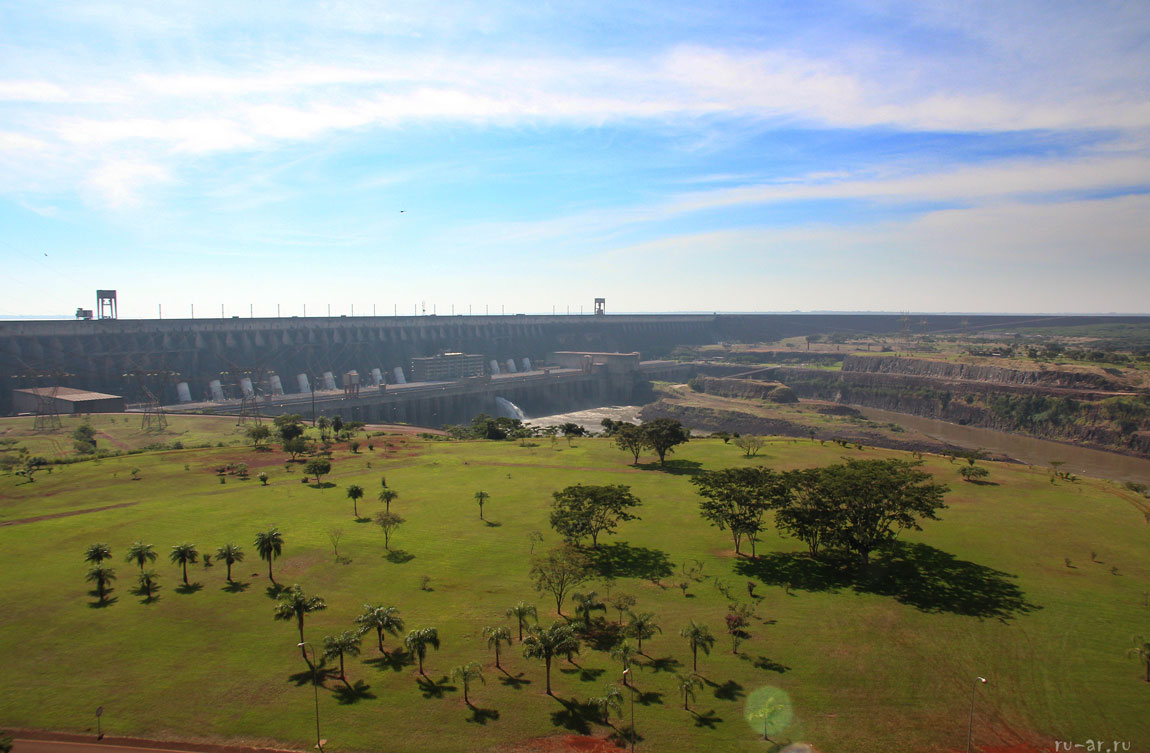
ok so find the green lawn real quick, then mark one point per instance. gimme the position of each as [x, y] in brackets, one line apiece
[884, 664]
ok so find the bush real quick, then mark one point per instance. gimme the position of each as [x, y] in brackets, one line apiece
[696, 384]
[782, 394]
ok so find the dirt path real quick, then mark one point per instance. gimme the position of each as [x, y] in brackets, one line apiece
[65, 514]
[36, 741]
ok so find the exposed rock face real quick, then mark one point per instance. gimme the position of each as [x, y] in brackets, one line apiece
[966, 372]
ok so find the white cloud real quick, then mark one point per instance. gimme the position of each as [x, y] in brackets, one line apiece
[118, 184]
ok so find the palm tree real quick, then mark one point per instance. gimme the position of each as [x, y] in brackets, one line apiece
[182, 554]
[97, 553]
[387, 496]
[624, 653]
[587, 603]
[687, 686]
[521, 612]
[147, 581]
[466, 674]
[230, 554]
[270, 544]
[355, 493]
[101, 576]
[612, 698]
[1141, 651]
[496, 635]
[547, 643]
[699, 636]
[382, 619]
[481, 497]
[642, 626]
[294, 604]
[344, 644]
[141, 553]
[417, 642]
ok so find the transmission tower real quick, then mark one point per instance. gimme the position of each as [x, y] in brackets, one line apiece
[249, 381]
[154, 418]
[47, 414]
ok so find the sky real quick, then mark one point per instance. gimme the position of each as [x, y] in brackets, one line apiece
[263, 158]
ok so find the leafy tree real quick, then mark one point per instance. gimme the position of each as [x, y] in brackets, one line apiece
[295, 447]
[1141, 652]
[324, 424]
[389, 522]
[140, 553]
[183, 555]
[642, 626]
[631, 438]
[521, 612]
[579, 511]
[496, 635]
[230, 554]
[810, 510]
[467, 674]
[97, 553]
[698, 636]
[317, 467]
[749, 445]
[481, 497]
[387, 496]
[382, 620]
[294, 604]
[546, 643]
[663, 435]
[147, 581]
[355, 494]
[973, 473]
[417, 642]
[344, 644]
[337, 424]
[622, 602]
[289, 426]
[269, 545]
[101, 576]
[612, 698]
[624, 653]
[259, 433]
[737, 621]
[558, 571]
[736, 499]
[688, 684]
[587, 603]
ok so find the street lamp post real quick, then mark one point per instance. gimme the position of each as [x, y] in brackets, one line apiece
[632, 687]
[315, 688]
[970, 724]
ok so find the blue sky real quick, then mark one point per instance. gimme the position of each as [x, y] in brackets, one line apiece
[872, 155]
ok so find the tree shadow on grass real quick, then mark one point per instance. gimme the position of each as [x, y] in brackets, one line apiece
[322, 675]
[323, 485]
[435, 688]
[190, 588]
[585, 674]
[770, 665]
[398, 556]
[395, 660]
[621, 560]
[576, 715]
[624, 736]
[482, 716]
[493, 524]
[676, 467]
[709, 719]
[273, 591]
[362, 519]
[664, 664]
[918, 575]
[648, 698]
[236, 587]
[602, 635]
[346, 695]
[146, 598]
[728, 691]
[514, 681]
[104, 603]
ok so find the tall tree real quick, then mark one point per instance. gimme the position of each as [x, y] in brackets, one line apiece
[612, 698]
[258, 433]
[339, 646]
[688, 684]
[382, 620]
[230, 554]
[387, 496]
[558, 571]
[355, 494]
[631, 438]
[587, 603]
[289, 426]
[101, 576]
[622, 602]
[495, 635]
[546, 643]
[624, 653]
[183, 555]
[579, 511]
[294, 604]
[269, 545]
[418, 641]
[389, 522]
[481, 497]
[317, 467]
[141, 554]
[521, 612]
[146, 581]
[467, 674]
[97, 553]
[663, 435]
[737, 499]
[698, 636]
[642, 626]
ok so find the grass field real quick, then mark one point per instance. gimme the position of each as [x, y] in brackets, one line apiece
[882, 663]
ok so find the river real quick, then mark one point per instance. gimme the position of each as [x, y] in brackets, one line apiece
[1078, 460]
